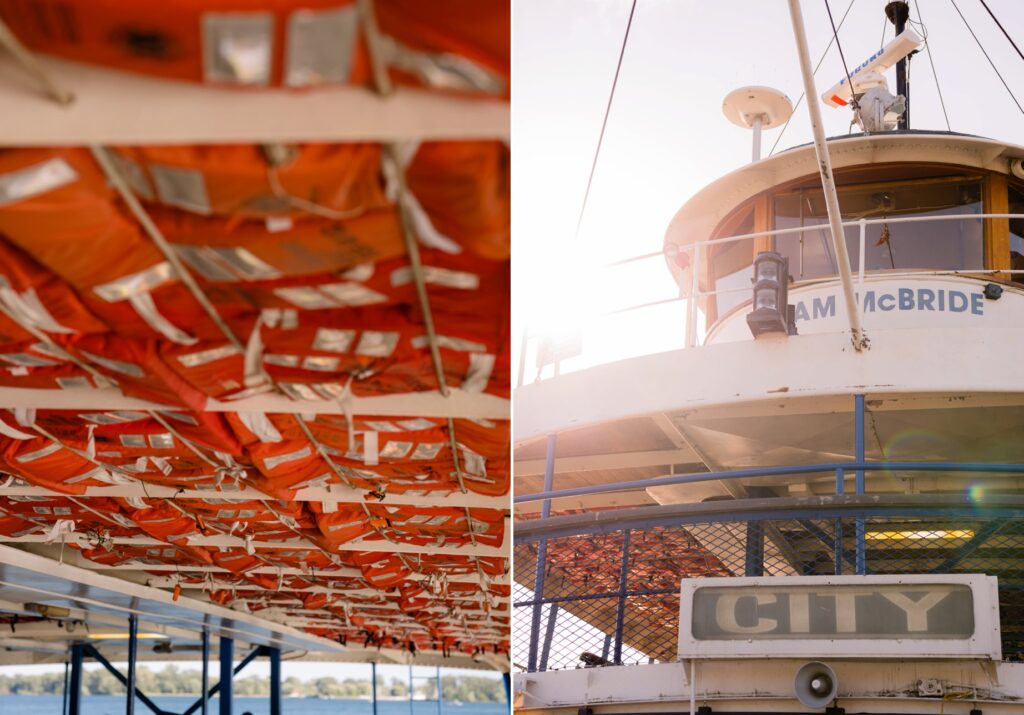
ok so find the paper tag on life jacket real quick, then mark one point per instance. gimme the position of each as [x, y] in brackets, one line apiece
[371, 448]
[277, 224]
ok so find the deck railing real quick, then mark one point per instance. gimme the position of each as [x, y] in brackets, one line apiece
[700, 250]
[606, 583]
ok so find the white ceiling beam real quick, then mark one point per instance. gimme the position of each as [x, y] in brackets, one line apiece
[618, 460]
[32, 645]
[469, 578]
[168, 582]
[458, 404]
[113, 107]
[337, 492]
[292, 544]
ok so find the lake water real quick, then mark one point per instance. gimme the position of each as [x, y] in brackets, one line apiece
[115, 705]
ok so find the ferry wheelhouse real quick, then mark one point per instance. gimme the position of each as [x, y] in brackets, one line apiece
[816, 504]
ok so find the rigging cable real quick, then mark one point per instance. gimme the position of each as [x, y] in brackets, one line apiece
[931, 62]
[800, 99]
[1007, 34]
[839, 46]
[982, 48]
[604, 123]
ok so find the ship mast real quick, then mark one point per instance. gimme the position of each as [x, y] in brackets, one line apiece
[898, 12]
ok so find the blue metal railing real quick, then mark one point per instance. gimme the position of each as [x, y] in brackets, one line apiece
[818, 523]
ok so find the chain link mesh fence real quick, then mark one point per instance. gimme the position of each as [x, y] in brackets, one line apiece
[615, 597]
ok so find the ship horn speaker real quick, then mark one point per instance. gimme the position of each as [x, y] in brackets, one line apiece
[816, 685]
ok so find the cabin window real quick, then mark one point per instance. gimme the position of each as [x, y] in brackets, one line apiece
[1016, 206]
[935, 245]
[731, 264]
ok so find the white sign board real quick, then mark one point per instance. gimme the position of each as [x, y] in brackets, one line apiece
[919, 616]
[886, 303]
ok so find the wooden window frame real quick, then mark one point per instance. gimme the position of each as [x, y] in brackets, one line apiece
[995, 232]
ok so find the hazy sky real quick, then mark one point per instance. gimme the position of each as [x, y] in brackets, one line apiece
[667, 138]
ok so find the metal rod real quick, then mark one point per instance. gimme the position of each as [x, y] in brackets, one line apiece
[838, 545]
[549, 633]
[549, 474]
[620, 615]
[756, 149]
[93, 653]
[67, 674]
[440, 692]
[28, 62]
[227, 656]
[113, 173]
[977, 541]
[373, 686]
[415, 262]
[773, 508]
[538, 591]
[754, 553]
[542, 552]
[275, 680]
[596, 596]
[693, 686]
[75, 695]
[216, 687]
[860, 263]
[794, 470]
[898, 12]
[204, 699]
[859, 418]
[692, 306]
[859, 339]
[133, 653]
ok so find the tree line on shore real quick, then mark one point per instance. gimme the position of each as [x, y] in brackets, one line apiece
[178, 681]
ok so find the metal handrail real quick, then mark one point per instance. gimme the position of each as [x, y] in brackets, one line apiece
[794, 470]
[697, 247]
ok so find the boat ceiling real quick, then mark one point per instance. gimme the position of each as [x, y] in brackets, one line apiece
[270, 377]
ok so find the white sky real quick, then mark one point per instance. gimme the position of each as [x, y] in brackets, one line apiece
[666, 136]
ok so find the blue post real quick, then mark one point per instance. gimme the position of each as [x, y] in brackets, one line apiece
[275, 680]
[373, 686]
[542, 557]
[507, 679]
[133, 652]
[754, 557]
[549, 634]
[227, 656]
[840, 488]
[440, 693]
[67, 674]
[620, 616]
[75, 694]
[861, 559]
[205, 698]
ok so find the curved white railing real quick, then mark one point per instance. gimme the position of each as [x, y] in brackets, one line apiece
[699, 250]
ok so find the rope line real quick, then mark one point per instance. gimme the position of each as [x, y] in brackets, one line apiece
[842, 56]
[800, 99]
[931, 63]
[604, 122]
[1005, 33]
[991, 63]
